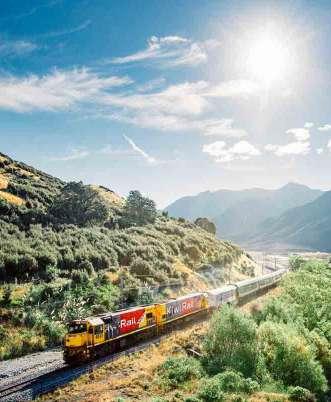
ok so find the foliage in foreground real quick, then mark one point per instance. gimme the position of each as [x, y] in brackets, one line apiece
[284, 348]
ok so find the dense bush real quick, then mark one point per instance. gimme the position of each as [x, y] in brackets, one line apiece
[79, 205]
[289, 358]
[231, 343]
[177, 370]
[299, 394]
[210, 390]
[15, 342]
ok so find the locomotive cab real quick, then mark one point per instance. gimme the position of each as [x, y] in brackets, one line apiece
[82, 334]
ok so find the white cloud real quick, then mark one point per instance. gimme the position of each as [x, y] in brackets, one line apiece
[293, 148]
[308, 124]
[325, 127]
[187, 106]
[74, 154]
[171, 51]
[58, 90]
[10, 48]
[319, 151]
[234, 88]
[329, 145]
[242, 150]
[300, 134]
[149, 159]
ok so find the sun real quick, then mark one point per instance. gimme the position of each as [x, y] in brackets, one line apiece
[268, 58]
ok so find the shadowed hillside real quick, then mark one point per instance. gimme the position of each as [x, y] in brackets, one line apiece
[238, 214]
[306, 227]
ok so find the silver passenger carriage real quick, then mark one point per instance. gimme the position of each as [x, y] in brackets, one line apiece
[224, 295]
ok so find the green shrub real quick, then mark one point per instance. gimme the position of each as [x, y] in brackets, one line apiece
[299, 394]
[177, 370]
[79, 277]
[140, 267]
[296, 262]
[289, 357]
[210, 390]
[250, 386]
[231, 343]
[192, 399]
[231, 381]
[7, 295]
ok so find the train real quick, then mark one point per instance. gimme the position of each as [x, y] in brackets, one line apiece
[108, 333]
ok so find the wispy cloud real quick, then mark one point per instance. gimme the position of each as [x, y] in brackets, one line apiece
[329, 145]
[68, 31]
[170, 51]
[151, 85]
[319, 151]
[10, 48]
[242, 150]
[325, 127]
[58, 90]
[139, 151]
[293, 148]
[73, 154]
[32, 11]
[176, 108]
[309, 124]
[187, 106]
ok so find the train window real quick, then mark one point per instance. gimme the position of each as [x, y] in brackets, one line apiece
[90, 331]
[77, 328]
[98, 329]
[164, 316]
[149, 315]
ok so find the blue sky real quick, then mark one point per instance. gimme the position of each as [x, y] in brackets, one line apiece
[171, 98]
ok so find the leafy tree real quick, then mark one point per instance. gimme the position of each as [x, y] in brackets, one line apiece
[231, 343]
[138, 210]
[206, 224]
[79, 205]
[296, 262]
[289, 358]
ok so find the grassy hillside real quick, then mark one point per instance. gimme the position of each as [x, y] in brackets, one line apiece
[69, 250]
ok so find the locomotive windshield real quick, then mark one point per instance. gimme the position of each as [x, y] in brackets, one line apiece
[77, 328]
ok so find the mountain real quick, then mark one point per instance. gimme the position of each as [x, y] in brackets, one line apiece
[239, 213]
[305, 227]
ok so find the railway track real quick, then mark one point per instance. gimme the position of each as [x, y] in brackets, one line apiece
[30, 388]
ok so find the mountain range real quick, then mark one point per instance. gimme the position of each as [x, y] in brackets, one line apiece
[291, 217]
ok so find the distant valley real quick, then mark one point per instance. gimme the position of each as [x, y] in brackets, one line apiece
[291, 217]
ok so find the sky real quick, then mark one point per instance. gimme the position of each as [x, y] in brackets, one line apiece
[168, 97]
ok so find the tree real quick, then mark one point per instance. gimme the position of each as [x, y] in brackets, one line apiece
[231, 343]
[138, 210]
[79, 205]
[206, 224]
[289, 357]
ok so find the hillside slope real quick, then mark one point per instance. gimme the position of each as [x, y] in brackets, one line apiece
[55, 265]
[305, 227]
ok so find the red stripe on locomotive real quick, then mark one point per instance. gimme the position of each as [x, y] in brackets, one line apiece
[131, 320]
